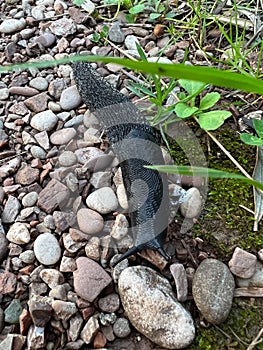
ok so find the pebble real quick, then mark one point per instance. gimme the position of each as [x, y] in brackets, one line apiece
[92, 248]
[9, 26]
[180, 278]
[101, 179]
[37, 103]
[67, 264]
[70, 98]
[60, 292]
[116, 34]
[8, 282]
[130, 42]
[89, 221]
[46, 39]
[67, 158]
[90, 330]
[53, 195]
[51, 277]
[42, 139]
[40, 309]
[120, 227]
[75, 325]
[122, 197]
[38, 152]
[47, 249]
[110, 303]
[4, 94]
[191, 207]
[107, 319]
[3, 247]
[30, 199]
[243, 263]
[63, 136]
[150, 305]
[28, 256]
[256, 280]
[64, 309]
[18, 233]
[45, 120]
[92, 136]
[13, 311]
[7, 343]
[89, 279]
[63, 27]
[213, 290]
[10, 167]
[103, 200]
[121, 327]
[39, 83]
[26, 175]
[11, 210]
[23, 91]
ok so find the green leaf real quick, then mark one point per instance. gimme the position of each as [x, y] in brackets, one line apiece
[154, 16]
[204, 172]
[191, 86]
[251, 140]
[208, 75]
[137, 9]
[258, 198]
[78, 2]
[182, 110]
[141, 52]
[213, 119]
[95, 37]
[258, 125]
[209, 100]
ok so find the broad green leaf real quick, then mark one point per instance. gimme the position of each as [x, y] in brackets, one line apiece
[137, 9]
[208, 75]
[251, 140]
[258, 125]
[191, 86]
[154, 15]
[182, 110]
[213, 119]
[204, 172]
[78, 2]
[209, 100]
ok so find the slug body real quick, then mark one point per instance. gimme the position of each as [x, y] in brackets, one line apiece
[135, 144]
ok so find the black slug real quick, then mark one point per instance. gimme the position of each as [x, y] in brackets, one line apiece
[135, 144]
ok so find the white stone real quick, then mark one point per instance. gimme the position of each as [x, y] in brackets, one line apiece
[103, 200]
[12, 25]
[45, 120]
[120, 227]
[151, 307]
[192, 204]
[18, 233]
[47, 249]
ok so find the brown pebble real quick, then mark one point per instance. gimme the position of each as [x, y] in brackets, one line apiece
[8, 282]
[23, 91]
[99, 341]
[87, 312]
[25, 321]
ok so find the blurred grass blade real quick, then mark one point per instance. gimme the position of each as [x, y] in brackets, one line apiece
[258, 198]
[204, 172]
[178, 71]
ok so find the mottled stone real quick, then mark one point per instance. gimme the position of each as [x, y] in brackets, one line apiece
[45, 120]
[151, 307]
[37, 103]
[26, 175]
[52, 277]
[103, 200]
[256, 280]
[109, 303]
[89, 221]
[52, 196]
[63, 27]
[90, 330]
[180, 279]
[64, 309]
[67, 264]
[101, 179]
[3, 246]
[213, 290]
[121, 327]
[120, 227]
[11, 210]
[242, 263]
[8, 282]
[12, 25]
[89, 279]
[10, 167]
[13, 311]
[18, 233]
[38, 152]
[75, 325]
[40, 309]
[10, 340]
[47, 249]
[67, 158]
[92, 248]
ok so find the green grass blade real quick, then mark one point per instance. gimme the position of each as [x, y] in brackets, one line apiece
[177, 71]
[204, 172]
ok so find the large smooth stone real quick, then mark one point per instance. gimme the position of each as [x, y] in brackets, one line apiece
[213, 290]
[151, 307]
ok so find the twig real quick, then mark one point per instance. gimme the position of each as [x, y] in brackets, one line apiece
[256, 340]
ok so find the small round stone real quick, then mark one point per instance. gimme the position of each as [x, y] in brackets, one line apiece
[191, 207]
[39, 83]
[30, 199]
[45, 120]
[47, 249]
[103, 200]
[89, 221]
[12, 25]
[121, 327]
[28, 256]
[4, 94]
[63, 136]
[70, 98]
[38, 152]
[18, 233]
[67, 158]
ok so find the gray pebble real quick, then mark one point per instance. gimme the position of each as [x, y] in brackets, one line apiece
[4, 94]
[70, 98]
[39, 83]
[130, 42]
[11, 210]
[30, 199]
[115, 33]
[28, 256]
[45, 120]
[47, 249]
[192, 204]
[12, 25]
[13, 311]
[74, 121]
[38, 152]
[67, 158]
[121, 327]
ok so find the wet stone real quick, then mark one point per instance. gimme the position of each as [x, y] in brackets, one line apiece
[213, 290]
